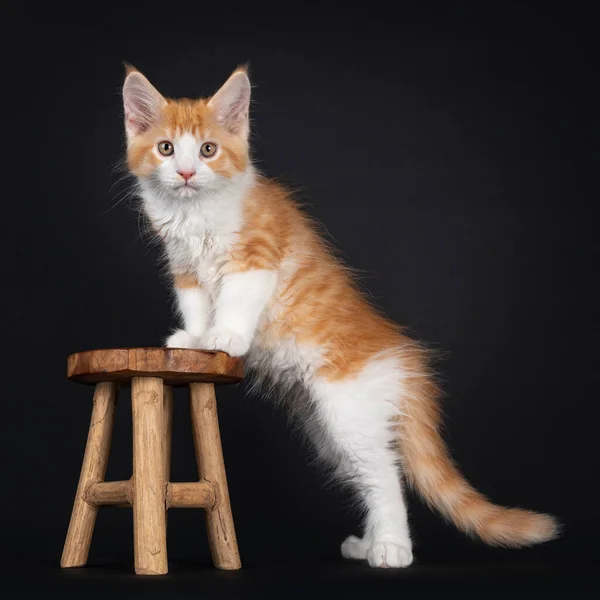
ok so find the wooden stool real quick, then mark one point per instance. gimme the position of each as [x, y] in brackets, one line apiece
[152, 372]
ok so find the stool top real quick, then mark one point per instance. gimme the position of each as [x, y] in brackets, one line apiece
[175, 366]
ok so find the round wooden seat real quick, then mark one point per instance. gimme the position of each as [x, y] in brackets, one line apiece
[176, 366]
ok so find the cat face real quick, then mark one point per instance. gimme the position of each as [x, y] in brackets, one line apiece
[183, 148]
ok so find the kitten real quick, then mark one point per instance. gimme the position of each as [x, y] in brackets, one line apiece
[254, 278]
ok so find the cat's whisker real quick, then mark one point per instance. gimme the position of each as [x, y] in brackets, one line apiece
[121, 197]
[123, 177]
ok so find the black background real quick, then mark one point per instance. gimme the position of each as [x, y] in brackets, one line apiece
[450, 154]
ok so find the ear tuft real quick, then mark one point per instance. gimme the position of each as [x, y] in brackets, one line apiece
[244, 68]
[129, 68]
[232, 103]
[142, 102]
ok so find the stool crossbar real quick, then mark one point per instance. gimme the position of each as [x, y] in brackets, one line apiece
[152, 373]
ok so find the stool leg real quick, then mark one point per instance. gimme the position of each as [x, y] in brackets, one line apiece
[93, 469]
[168, 429]
[149, 484]
[209, 454]
[167, 433]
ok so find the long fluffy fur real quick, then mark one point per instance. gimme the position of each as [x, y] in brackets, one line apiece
[431, 471]
[282, 298]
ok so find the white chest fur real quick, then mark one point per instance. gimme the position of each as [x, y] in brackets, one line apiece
[198, 233]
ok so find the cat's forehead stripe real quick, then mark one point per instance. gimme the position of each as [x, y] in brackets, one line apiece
[185, 116]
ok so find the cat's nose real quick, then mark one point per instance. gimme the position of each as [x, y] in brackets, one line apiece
[186, 174]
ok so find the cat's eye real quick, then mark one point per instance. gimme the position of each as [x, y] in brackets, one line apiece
[208, 149]
[166, 148]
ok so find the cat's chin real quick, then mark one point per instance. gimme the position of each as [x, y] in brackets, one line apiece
[187, 191]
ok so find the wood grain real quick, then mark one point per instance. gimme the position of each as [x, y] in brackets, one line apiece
[193, 494]
[93, 470]
[167, 436]
[110, 493]
[197, 494]
[209, 455]
[149, 484]
[167, 430]
[174, 365]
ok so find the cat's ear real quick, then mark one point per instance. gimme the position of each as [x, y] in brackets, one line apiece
[232, 103]
[142, 102]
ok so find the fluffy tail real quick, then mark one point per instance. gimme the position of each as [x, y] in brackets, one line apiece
[429, 468]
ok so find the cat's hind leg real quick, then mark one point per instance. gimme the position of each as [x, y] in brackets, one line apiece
[357, 423]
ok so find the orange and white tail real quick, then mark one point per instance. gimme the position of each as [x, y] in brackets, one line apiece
[430, 470]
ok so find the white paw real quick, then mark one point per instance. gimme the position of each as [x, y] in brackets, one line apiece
[226, 341]
[182, 339]
[354, 547]
[387, 555]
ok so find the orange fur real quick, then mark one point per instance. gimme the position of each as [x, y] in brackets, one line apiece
[185, 281]
[324, 307]
[431, 471]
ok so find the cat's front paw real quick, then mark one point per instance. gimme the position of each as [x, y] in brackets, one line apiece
[182, 339]
[225, 341]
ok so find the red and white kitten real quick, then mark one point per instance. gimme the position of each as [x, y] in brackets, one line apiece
[253, 277]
